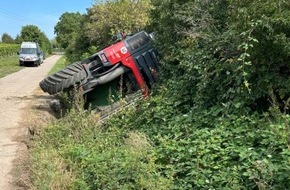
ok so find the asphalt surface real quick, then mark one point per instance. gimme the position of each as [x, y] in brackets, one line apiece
[16, 90]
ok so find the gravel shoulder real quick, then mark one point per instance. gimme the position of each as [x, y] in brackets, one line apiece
[17, 91]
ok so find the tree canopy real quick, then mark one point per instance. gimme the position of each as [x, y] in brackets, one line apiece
[34, 34]
[108, 19]
[80, 34]
[6, 38]
[30, 33]
[67, 28]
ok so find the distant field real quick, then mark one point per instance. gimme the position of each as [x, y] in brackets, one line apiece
[8, 59]
[8, 65]
[8, 49]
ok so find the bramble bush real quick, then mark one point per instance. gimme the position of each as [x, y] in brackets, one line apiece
[219, 117]
[207, 150]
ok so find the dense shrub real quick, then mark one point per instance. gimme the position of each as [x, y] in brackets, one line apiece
[95, 157]
[206, 150]
[218, 118]
[236, 55]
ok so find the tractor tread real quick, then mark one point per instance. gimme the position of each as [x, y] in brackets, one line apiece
[64, 79]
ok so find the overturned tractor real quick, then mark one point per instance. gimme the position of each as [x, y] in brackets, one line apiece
[129, 65]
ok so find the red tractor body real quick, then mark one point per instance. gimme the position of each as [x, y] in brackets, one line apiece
[133, 57]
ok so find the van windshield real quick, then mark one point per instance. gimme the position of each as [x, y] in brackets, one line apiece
[27, 51]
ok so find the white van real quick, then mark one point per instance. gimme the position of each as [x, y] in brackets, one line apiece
[30, 53]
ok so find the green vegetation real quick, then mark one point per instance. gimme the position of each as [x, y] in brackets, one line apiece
[8, 49]
[8, 65]
[6, 38]
[209, 150]
[67, 28]
[114, 17]
[77, 153]
[83, 35]
[31, 33]
[60, 64]
[8, 59]
[218, 119]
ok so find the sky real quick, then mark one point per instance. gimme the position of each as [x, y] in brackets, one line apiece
[42, 13]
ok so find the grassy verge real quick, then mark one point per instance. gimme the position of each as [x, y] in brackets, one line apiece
[61, 63]
[136, 149]
[9, 65]
[75, 152]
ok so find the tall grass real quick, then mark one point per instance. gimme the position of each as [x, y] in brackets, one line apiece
[76, 152]
[8, 65]
[60, 64]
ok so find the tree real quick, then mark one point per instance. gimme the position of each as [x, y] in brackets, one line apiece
[30, 33]
[18, 39]
[54, 44]
[107, 19]
[34, 34]
[45, 43]
[67, 28]
[77, 34]
[6, 38]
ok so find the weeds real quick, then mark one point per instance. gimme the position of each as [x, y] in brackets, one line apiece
[75, 152]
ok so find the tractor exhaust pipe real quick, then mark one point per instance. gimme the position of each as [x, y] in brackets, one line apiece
[111, 76]
[105, 78]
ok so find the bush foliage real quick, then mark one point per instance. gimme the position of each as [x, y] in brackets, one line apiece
[95, 157]
[203, 149]
[219, 117]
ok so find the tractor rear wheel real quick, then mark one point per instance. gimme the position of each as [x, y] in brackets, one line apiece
[64, 79]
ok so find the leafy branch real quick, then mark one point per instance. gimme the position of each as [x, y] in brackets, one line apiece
[246, 47]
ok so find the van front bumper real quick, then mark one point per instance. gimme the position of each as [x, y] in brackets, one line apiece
[32, 62]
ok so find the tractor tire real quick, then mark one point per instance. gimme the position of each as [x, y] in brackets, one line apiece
[64, 79]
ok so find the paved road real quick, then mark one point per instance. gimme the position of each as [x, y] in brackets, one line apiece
[15, 92]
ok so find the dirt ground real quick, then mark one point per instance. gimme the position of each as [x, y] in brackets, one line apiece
[36, 114]
[23, 107]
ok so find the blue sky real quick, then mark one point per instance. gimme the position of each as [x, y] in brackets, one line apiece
[43, 13]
